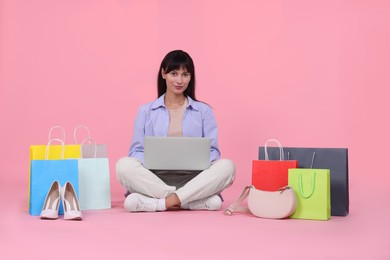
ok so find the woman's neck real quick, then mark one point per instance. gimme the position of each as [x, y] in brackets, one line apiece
[174, 101]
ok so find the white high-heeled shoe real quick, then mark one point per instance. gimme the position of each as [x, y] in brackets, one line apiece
[52, 202]
[70, 202]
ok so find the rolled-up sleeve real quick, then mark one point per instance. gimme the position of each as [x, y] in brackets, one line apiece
[211, 131]
[137, 145]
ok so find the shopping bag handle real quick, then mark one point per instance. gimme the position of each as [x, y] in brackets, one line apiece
[75, 133]
[48, 145]
[312, 159]
[313, 182]
[82, 143]
[281, 153]
[62, 132]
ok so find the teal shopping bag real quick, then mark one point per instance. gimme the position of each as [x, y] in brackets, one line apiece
[94, 180]
[44, 172]
[94, 184]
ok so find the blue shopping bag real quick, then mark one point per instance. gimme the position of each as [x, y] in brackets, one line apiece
[44, 172]
[38, 152]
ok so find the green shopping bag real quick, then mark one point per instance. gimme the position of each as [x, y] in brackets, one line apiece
[312, 190]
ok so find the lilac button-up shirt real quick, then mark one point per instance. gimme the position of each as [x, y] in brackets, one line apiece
[153, 120]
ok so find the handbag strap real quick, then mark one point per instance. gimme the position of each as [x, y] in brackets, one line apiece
[313, 181]
[281, 153]
[244, 194]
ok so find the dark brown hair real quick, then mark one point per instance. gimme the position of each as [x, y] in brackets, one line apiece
[175, 60]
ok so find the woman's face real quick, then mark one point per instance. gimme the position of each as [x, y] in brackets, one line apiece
[176, 80]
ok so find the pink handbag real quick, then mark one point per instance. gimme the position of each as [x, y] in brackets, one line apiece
[267, 204]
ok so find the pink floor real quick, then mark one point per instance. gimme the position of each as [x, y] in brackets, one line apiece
[116, 234]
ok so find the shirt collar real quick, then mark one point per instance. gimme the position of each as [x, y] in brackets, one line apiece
[160, 103]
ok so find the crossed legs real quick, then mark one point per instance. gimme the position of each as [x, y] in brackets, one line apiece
[137, 179]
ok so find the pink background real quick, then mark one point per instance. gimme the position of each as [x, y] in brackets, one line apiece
[308, 73]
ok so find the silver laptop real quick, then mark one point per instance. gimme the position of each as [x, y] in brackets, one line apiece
[177, 153]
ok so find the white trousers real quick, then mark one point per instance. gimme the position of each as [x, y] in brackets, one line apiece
[137, 179]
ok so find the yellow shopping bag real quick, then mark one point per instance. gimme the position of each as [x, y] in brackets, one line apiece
[37, 152]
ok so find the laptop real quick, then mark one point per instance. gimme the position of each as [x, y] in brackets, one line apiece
[177, 153]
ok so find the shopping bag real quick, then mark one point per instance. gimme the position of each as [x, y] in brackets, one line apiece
[312, 190]
[37, 152]
[43, 172]
[94, 182]
[335, 159]
[90, 149]
[271, 175]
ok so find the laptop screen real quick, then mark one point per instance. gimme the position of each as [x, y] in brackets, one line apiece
[177, 153]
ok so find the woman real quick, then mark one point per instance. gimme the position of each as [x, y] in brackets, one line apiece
[176, 112]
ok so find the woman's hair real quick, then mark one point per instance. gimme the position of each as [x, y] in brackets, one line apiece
[175, 60]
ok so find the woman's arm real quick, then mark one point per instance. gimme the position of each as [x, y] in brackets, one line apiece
[210, 130]
[137, 144]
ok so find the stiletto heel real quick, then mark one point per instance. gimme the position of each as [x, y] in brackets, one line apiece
[71, 203]
[52, 202]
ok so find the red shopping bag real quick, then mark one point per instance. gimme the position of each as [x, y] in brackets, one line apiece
[271, 175]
